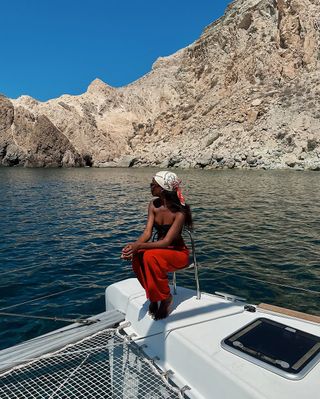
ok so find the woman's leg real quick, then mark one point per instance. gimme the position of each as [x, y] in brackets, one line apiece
[164, 308]
[138, 268]
[153, 308]
[156, 264]
[151, 268]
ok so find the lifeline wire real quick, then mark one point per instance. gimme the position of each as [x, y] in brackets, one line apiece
[53, 318]
[261, 281]
[47, 296]
[93, 285]
[87, 322]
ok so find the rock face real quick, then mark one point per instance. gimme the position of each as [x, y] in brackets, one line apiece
[244, 95]
[32, 141]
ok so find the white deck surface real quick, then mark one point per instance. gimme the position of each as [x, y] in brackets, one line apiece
[188, 342]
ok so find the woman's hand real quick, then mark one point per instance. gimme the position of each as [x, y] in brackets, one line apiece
[129, 250]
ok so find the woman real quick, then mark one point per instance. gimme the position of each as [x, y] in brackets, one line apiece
[151, 261]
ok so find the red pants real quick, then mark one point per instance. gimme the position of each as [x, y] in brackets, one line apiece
[151, 267]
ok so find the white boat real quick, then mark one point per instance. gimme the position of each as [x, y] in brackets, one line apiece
[214, 347]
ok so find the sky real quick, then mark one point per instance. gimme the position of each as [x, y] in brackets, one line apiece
[54, 47]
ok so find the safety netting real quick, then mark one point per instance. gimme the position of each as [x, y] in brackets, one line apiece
[104, 365]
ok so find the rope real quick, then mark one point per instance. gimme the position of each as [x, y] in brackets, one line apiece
[94, 285]
[48, 296]
[81, 321]
[262, 281]
[68, 378]
[19, 270]
[62, 352]
[54, 318]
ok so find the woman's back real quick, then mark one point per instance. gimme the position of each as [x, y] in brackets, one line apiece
[163, 220]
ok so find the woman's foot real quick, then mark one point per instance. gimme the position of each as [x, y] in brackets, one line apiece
[164, 308]
[153, 308]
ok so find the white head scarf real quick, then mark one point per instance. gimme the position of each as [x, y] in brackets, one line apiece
[169, 181]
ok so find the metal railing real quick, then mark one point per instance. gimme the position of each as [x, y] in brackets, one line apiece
[193, 265]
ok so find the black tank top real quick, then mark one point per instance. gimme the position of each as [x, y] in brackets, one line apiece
[161, 232]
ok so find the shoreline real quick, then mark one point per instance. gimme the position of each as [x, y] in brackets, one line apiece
[303, 168]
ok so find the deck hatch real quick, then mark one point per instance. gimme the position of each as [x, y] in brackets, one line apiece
[277, 347]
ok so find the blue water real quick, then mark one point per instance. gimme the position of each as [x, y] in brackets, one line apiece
[257, 235]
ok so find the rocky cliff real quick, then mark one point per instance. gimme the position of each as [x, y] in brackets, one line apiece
[245, 94]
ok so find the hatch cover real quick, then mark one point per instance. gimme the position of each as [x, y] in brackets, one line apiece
[277, 347]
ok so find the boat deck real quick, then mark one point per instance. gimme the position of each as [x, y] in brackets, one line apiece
[188, 342]
[178, 357]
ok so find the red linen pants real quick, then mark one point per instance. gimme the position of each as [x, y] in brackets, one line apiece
[151, 267]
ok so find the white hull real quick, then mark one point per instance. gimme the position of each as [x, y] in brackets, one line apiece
[188, 343]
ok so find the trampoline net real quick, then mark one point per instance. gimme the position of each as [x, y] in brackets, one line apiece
[101, 366]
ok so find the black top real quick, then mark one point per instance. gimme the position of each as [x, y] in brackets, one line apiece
[161, 232]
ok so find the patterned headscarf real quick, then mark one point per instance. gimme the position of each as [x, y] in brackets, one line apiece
[169, 181]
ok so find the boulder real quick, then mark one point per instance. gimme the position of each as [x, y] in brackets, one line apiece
[256, 102]
[229, 163]
[205, 159]
[184, 164]
[12, 156]
[164, 164]
[212, 138]
[313, 165]
[126, 161]
[290, 160]
[217, 157]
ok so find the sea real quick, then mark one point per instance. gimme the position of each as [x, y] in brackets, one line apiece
[257, 236]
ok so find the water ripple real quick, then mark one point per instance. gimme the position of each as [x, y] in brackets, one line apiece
[63, 228]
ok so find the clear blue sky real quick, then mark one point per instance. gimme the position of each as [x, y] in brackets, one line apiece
[54, 47]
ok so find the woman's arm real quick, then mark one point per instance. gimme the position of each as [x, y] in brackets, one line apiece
[173, 233]
[145, 236]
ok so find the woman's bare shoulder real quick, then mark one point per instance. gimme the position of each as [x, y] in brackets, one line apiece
[180, 215]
